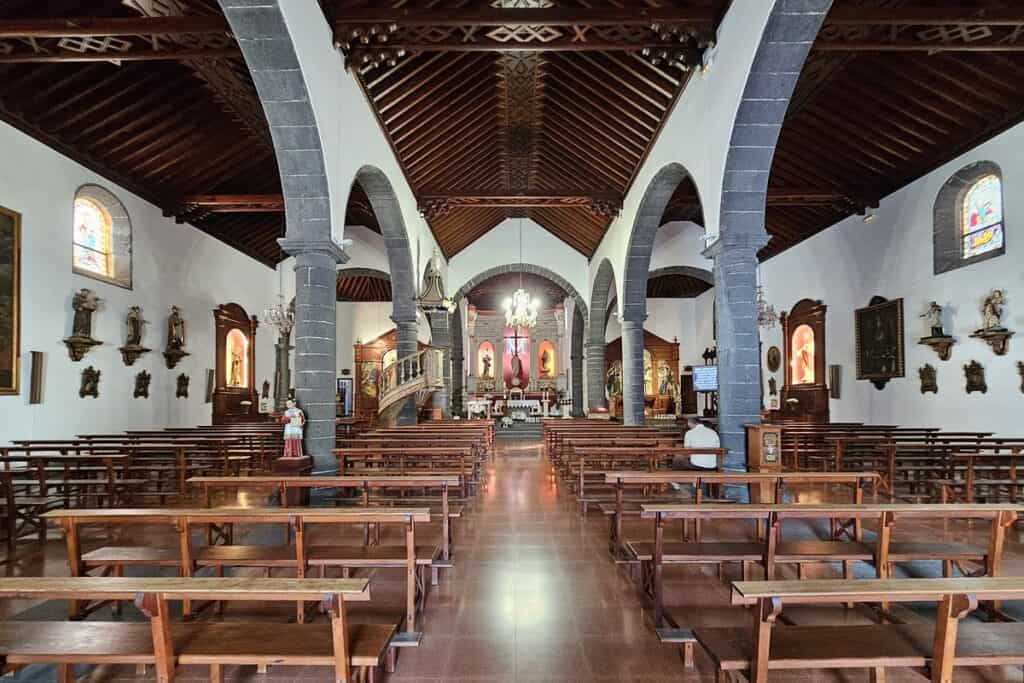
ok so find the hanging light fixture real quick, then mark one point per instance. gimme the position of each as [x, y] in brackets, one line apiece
[521, 309]
[766, 316]
[281, 315]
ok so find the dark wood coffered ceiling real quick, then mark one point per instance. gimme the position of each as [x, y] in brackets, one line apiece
[490, 294]
[543, 108]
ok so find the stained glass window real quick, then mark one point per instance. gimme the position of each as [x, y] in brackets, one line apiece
[92, 228]
[982, 217]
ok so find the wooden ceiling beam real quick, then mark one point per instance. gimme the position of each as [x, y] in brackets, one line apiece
[497, 16]
[925, 16]
[87, 27]
[67, 56]
[232, 202]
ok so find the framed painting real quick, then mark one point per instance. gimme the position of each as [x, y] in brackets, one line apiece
[879, 334]
[10, 300]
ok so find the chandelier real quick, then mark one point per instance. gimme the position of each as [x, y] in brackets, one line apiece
[281, 316]
[521, 310]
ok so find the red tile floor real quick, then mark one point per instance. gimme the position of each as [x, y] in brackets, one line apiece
[533, 597]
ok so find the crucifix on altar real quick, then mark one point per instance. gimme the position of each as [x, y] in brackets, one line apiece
[516, 358]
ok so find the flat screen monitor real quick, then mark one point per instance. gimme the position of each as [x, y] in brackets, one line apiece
[705, 378]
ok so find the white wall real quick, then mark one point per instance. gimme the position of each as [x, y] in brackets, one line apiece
[349, 132]
[679, 243]
[363, 322]
[698, 130]
[892, 257]
[172, 264]
[500, 246]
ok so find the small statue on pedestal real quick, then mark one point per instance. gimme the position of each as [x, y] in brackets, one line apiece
[934, 316]
[175, 338]
[992, 330]
[133, 347]
[84, 303]
[937, 337]
[293, 420]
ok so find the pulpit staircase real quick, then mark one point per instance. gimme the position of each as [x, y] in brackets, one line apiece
[417, 375]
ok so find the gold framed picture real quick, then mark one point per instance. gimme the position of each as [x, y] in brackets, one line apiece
[10, 300]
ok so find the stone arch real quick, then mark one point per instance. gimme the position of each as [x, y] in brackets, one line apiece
[947, 237]
[641, 240]
[384, 202]
[577, 332]
[530, 268]
[269, 52]
[634, 286]
[600, 295]
[788, 35]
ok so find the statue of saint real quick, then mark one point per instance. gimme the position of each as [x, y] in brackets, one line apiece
[664, 379]
[175, 329]
[934, 316]
[134, 323]
[84, 302]
[517, 369]
[235, 377]
[613, 382]
[486, 362]
[992, 311]
[293, 420]
[545, 364]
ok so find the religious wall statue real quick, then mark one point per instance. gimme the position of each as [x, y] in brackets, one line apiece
[664, 378]
[293, 420]
[486, 365]
[992, 330]
[992, 311]
[928, 379]
[182, 388]
[613, 379]
[133, 347]
[936, 337]
[90, 383]
[773, 387]
[975, 374]
[175, 338]
[517, 369]
[547, 366]
[84, 303]
[235, 373]
[142, 385]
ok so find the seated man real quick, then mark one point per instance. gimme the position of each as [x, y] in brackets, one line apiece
[698, 435]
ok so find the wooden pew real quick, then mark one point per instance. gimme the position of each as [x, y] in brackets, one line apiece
[773, 550]
[364, 483]
[297, 557]
[857, 481]
[404, 460]
[941, 646]
[166, 645]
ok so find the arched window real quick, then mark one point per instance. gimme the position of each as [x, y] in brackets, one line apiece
[969, 223]
[982, 216]
[101, 237]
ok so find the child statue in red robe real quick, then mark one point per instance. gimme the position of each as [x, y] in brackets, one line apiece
[293, 420]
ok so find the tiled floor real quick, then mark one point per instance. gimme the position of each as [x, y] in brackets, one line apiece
[534, 597]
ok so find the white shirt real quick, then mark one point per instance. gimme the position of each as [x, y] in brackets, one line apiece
[702, 437]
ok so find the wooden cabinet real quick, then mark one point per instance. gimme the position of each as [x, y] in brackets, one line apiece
[804, 393]
[234, 393]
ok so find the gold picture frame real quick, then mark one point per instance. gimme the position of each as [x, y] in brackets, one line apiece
[10, 301]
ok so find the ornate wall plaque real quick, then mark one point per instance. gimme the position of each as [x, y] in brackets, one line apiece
[182, 389]
[975, 374]
[90, 383]
[774, 359]
[928, 379]
[142, 384]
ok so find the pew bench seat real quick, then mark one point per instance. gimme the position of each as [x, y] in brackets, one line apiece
[246, 556]
[202, 643]
[908, 551]
[710, 552]
[367, 556]
[863, 646]
[121, 556]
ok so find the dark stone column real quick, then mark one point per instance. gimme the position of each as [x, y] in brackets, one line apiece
[739, 382]
[576, 362]
[595, 376]
[316, 342]
[457, 365]
[441, 337]
[407, 346]
[633, 372]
